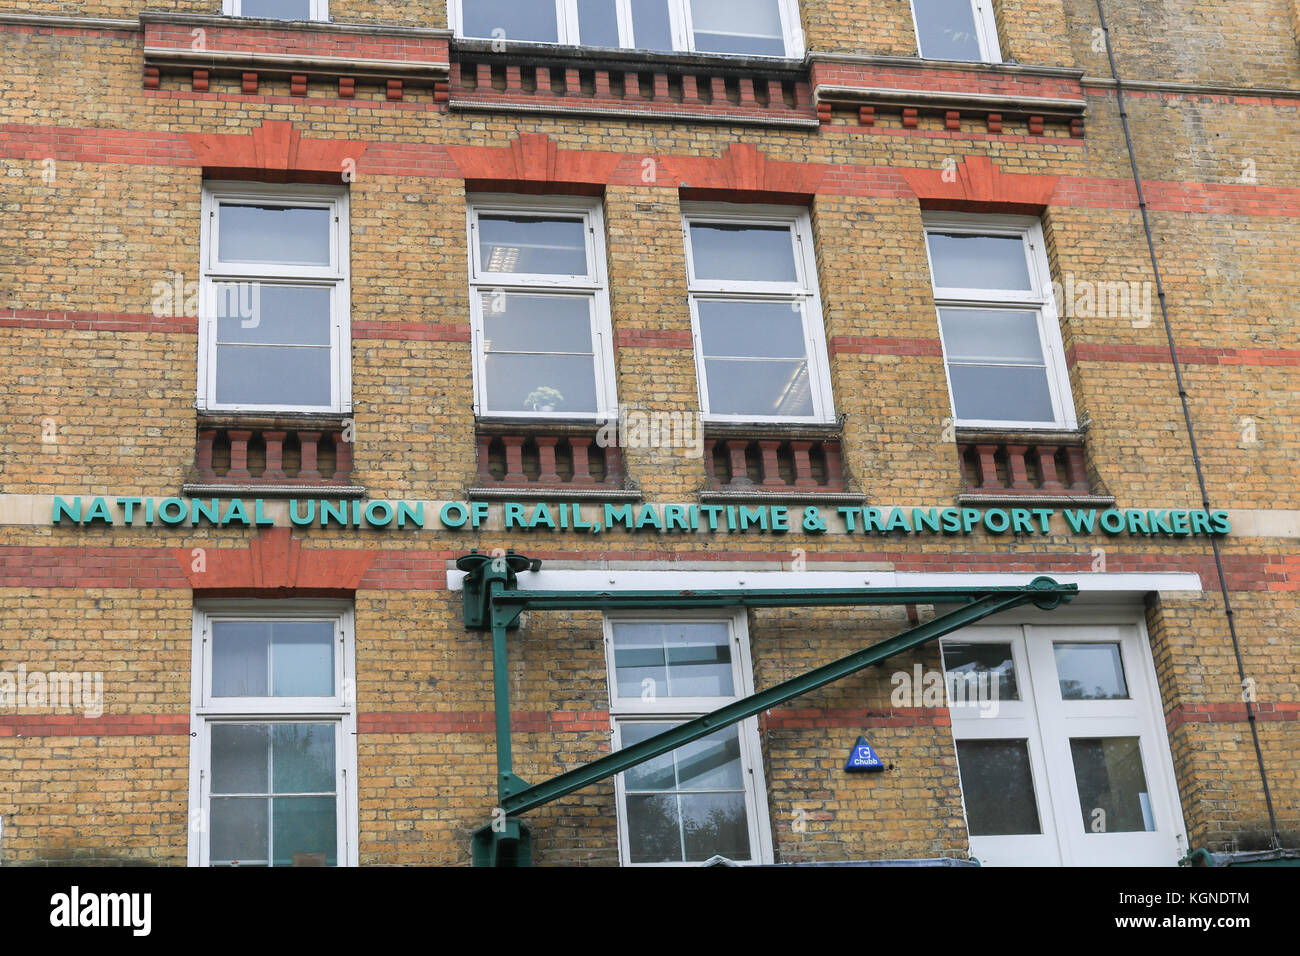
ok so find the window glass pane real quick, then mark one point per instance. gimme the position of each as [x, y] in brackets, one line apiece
[276, 9]
[541, 383]
[1090, 672]
[752, 329]
[640, 660]
[1001, 393]
[239, 763]
[302, 659]
[302, 758]
[699, 661]
[527, 244]
[714, 824]
[651, 26]
[237, 829]
[259, 313]
[965, 261]
[947, 29]
[743, 253]
[292, 235]
[711, 763]
[598, 22]
[699, 810]
[510, 20]
[991, 337]
[306, 827]
[267, 375]
[536, 323]
[1108, 772]
[761, 389]
[980, 668]
[291, 658]
[654, 828]
[755, 358]
[738, 26]
[689, 659]
[998, 787]
[658, 773]
[239, 658]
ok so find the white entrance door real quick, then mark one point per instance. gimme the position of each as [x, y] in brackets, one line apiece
[1062, 754]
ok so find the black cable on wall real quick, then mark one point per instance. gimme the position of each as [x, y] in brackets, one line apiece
[1187, 419]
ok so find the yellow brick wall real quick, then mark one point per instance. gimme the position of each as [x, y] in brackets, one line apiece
[98, 237]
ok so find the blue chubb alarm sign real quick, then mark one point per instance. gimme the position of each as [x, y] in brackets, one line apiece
[863, 757]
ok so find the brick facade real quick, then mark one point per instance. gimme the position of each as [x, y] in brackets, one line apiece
[108, 134]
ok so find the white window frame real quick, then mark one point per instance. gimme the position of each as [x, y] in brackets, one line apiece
[986, 31]
[336, 276]
[320, 10]
[1039, 298]
[803, 292]
[680, 709]
[593, 285]
[679, 12]
[1048, 723]
[206, 711]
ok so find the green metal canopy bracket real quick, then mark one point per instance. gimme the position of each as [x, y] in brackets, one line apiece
[493, 600]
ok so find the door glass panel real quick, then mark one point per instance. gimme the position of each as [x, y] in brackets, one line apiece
[1090, 672]
[980, 668]
[998, 787]
[1113, 793]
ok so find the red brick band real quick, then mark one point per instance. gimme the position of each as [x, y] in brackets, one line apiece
[737, 171]
[1159, 355]
[594, 721]
[425, 570]
[1234, 713]
[109, 725]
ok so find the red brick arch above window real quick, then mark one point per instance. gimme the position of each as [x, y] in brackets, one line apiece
[977, 185]
[273, 562]
[744, 174]
[534, 164]
[276, 152]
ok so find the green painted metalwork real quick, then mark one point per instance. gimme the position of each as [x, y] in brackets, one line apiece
[493, 601]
